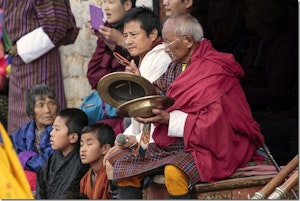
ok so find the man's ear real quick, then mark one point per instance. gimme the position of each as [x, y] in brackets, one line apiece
[127, 5]
[74, 137]
[153, 35]
[188, 3]
[189, 41]
[105, 149]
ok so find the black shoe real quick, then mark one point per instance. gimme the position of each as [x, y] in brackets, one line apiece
[113, 189]
[129, 192]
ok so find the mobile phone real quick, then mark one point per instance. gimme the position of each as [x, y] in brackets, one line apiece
[96, 15]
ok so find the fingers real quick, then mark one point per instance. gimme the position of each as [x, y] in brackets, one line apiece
[132, 68]
[129, 69]
[133, 65]
[161, 116]
[13, 51]
[146, 120]
[156, 111]
[105, 31]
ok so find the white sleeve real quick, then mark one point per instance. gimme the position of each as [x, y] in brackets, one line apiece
[33, 45]
[135, 128]
[176, 123]
[155, 63]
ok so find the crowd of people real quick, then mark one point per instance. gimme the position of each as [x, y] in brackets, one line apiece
[230, 66]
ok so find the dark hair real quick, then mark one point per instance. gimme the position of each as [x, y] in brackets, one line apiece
[75, 118]
[105, 134]
[132, 2]
[148, 19]
[274, 14]
[38, 92]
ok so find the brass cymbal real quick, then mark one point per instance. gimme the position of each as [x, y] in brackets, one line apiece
[119, 87]
[142, 107]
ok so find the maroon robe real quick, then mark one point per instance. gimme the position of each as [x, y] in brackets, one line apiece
[219, 130]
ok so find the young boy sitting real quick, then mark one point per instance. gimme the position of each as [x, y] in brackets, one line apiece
[62, 172]
[96, 140]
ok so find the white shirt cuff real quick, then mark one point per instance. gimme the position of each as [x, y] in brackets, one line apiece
[136, 128]
[33, 45]
[176, 123]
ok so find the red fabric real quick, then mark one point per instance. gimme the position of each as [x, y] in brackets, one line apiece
[256, 170]
[3, 66]
[219, 131]
[31, 177]
[100, 190]
[101, 63]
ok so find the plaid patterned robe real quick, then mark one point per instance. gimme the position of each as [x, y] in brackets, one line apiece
[127, 165]
[57, 21]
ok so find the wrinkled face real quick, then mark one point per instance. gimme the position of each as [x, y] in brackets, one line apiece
[114, 10]
[175, 46]
[45, 111]
[90, 150]
[174, 7]
[59, 138]
[136, 40]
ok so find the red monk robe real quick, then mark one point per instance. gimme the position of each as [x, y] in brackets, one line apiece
[219, 130]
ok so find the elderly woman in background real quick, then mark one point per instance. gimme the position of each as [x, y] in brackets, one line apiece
[32, 140]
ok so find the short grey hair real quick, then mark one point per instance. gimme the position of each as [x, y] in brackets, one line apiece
[186, 25]
[38, 92]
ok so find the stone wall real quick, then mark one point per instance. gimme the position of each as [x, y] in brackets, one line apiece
[75, 57]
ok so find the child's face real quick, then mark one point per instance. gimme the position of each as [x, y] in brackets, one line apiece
[90, 150]
[60, 140]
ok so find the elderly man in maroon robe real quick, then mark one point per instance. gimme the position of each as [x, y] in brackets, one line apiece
[207, 133]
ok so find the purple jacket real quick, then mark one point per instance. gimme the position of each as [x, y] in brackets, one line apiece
[24, 143]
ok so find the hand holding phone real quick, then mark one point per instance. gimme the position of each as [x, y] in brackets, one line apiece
[96, 15]
[123, 61]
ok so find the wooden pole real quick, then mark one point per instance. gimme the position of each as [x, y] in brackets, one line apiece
[277, 180]
[282, 191]
[265, 147]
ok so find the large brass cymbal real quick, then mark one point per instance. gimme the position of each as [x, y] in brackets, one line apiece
[142, 107]
[119, 87]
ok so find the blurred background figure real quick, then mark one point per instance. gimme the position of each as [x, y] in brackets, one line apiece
[13, 184]
[197, 8]
[271, 70]
[5, 61]
[226, 27]
[36, 30]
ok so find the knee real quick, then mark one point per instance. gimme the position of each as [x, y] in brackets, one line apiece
[176, 180]
[109, 170]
